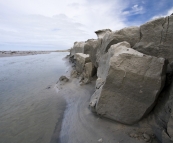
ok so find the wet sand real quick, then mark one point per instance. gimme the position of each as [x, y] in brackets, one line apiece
[80, 125]
[33, 108]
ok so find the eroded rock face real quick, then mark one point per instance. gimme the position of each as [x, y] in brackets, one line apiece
[170, 121]
[81, 60]
[132, 82]
[101, 33]
[93, 45]
[130, 34]
[82, 47]
[105, 59]
[88, 47]
[89, 70]
[157, 38]
[165, 137]
[86, 70]
[77, 48]
[170, 126]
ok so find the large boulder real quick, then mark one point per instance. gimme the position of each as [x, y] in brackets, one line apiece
[132, 83]
[92, 46]
[89, 70]
[157, 38]
[80, 47]
[88, 47]
[101, 33]
[77, 48]
[81, 60]
[84, 67]
[129, 34]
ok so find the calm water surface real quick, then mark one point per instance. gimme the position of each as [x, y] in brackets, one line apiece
[29, 105]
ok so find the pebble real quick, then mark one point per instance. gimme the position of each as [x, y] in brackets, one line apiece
[147, 137]
[100, 140]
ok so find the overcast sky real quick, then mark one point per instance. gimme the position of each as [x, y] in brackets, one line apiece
[57, 24]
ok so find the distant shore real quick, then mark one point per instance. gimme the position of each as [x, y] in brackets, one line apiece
[25, 53]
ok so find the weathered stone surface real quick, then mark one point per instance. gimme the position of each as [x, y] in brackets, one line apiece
[130, 34]
[81, 47]
[170, 125]
[74, 73]
[77, 48]
[103, 68]
[88, 47]
[63, 79]
[162, 113]
[92, 46]
[89, 70]
[166, 138]
[132, 84]
[81, 60]
[157, 38]
[101, 33]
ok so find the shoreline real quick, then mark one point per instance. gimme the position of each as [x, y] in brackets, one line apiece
[31, 111]
[80, 124]
[21, 53]
[26, 53]
[62, 107]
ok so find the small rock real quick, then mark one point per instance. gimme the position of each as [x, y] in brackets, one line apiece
[63, 78]
[132, 135]
[146, 137]
[74, 73]
[100, 140]
[48, 87]
[136, 136]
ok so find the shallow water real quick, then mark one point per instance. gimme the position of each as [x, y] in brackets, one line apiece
[30, 108]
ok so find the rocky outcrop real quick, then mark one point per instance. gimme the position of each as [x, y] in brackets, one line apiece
[93, 45]
[130, 34]
[101, 33]
[156, 38]
[82, 47]
[84, 67]
[130, 79]
[88, 47]
[165, 137]
[89, 70]
[133, 82]
[77, 48]
[81, 60]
